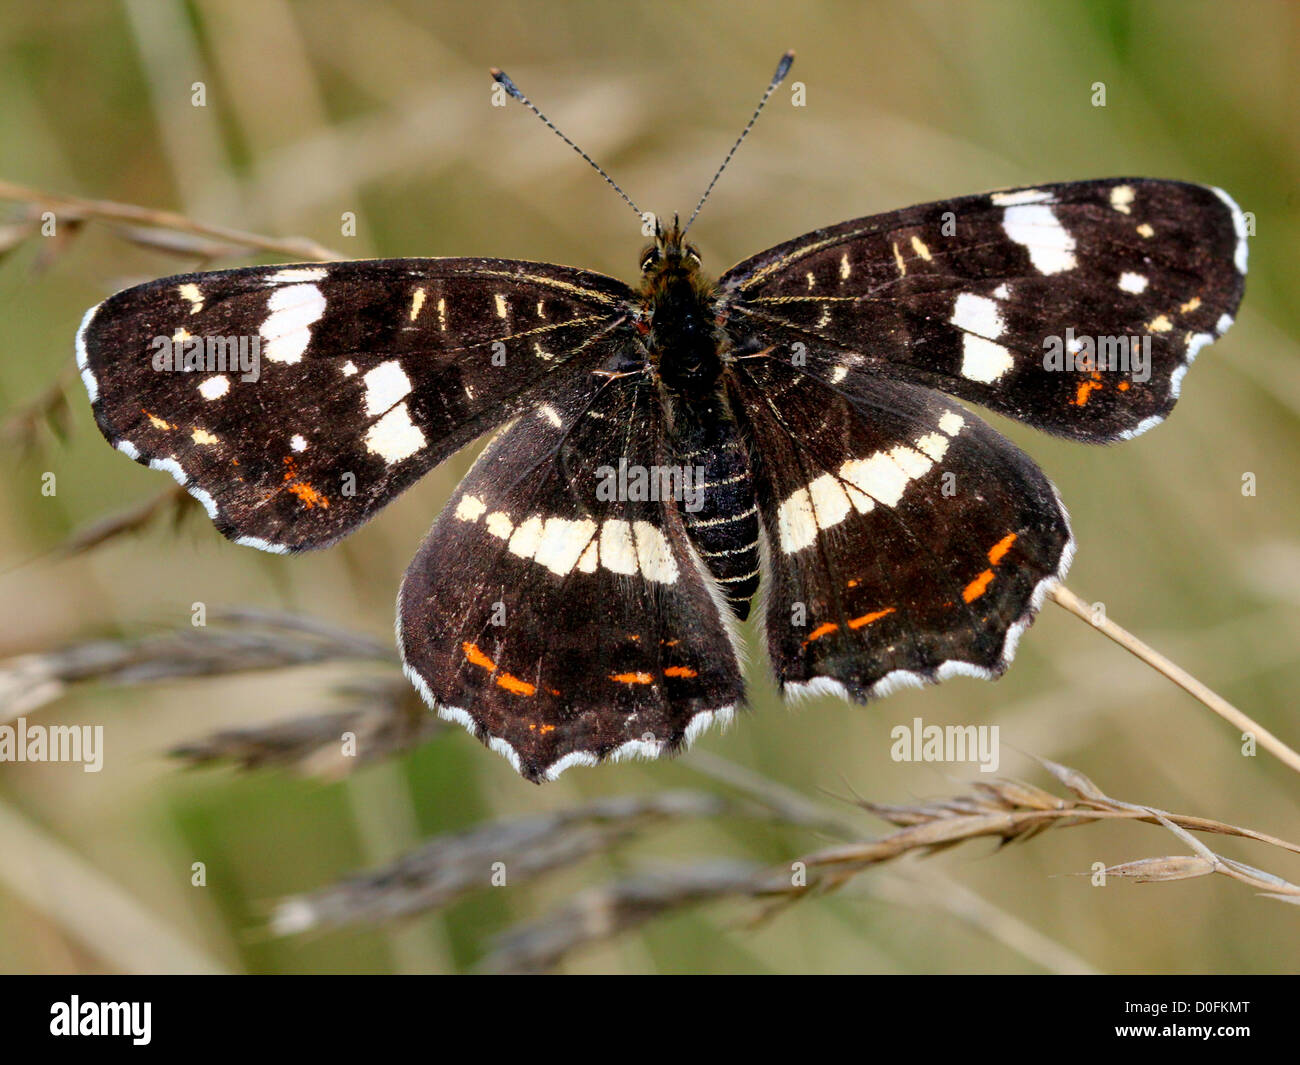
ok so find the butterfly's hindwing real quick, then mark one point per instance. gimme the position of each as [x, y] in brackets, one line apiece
[554, 615]
[907, 541]
[295, 401]
[1003, 298]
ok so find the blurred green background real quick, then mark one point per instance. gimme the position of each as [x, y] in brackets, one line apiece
[382, 108]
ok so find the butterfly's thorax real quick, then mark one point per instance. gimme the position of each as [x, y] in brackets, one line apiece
[682, 335]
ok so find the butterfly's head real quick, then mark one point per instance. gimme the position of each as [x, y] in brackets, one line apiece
[668, 257]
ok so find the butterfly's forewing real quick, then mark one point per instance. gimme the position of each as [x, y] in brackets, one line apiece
[561, 623]
[974, 297]
[906, 540]
[365, 375]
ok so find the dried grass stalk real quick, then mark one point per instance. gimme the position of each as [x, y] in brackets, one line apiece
[604, 912]
[509, 851]
[236, 642]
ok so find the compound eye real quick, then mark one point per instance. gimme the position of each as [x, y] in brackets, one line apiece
[649, 259]
[693, 253]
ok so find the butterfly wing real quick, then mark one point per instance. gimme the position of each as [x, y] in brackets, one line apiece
[295, 401]
[555, 620]
[907, 541]
[999, 298]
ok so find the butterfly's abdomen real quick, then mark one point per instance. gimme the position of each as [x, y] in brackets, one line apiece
[720, 511]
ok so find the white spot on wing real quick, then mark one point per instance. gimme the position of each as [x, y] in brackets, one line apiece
[190, 292]
[984, 360]
[470, 508]
[394, 437]
[977, 314]
[527, 536]
[298, 442]
[214, 387]
[562, 542]
[1120, 198]
[386, 384]
[1010, 199]
[654, 553]
[287, 329]
[951, 423]
[297, 275]
[881, 477]
[617, 550]
[1036, 228]
[1134, 283]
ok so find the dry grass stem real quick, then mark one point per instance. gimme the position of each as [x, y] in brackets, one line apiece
[1178, 675]
[1013, 811]
[76, 208]
[603, 912]
[172, 501]
[513, 850]
[387, 717]
[237, 642]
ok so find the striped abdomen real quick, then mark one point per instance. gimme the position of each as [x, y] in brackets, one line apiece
[721, 515]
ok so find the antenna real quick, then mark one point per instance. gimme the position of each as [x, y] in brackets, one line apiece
[782, 69]
[504, 81]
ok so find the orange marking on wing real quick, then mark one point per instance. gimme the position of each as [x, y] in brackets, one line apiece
[978, 586]
[158, 423]
[824, 629]
[305, 492]
[999, 550]
[632, 678]
[513, 684]
[670, 643]
[309, 496]
[543, 729]
[867, 619]
[477, 657]
[633, 637]
[1123, 386]
[853, 583]
[680, 671]
[1085, 389]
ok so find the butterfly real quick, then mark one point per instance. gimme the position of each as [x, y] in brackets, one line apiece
[661, 447]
